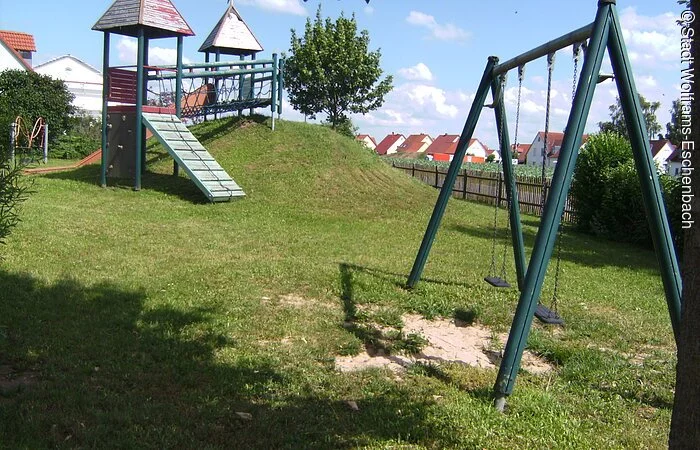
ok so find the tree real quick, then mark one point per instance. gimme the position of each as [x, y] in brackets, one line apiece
[617, 118]
[685, 423]
[30, 95]
[673, 128]
[332, 71]
[13, 191]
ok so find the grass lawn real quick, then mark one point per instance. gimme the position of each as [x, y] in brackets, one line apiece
[152, 319]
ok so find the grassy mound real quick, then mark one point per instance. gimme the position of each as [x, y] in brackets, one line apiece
[152, 318]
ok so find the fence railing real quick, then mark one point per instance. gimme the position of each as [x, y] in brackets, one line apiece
[488, 187]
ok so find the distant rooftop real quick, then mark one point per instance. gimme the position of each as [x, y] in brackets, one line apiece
[18, 41]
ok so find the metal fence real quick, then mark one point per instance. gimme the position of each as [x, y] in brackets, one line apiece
[488, 187]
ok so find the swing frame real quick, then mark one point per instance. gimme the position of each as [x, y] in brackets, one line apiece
[604, 33]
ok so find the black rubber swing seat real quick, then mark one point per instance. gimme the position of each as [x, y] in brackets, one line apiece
[546, 315]
[497, 282]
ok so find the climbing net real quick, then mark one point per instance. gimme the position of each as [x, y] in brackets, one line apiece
[210, 93]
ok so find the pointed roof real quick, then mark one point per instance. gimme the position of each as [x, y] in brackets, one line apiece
[231, 36]
[159, 18]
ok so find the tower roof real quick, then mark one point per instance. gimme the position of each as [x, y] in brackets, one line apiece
[231, 36]
[159, 19]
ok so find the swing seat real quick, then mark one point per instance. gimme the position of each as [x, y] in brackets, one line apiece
[546, 315]
[497, 282]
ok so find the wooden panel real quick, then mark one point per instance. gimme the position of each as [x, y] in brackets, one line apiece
[208, 175]
[175, 136]
[194, 156]
[121, 86]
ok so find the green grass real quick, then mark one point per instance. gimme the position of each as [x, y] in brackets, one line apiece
[149, 319]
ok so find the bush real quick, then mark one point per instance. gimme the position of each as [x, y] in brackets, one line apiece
[31, 96]
[84, 137]
[607, 193]
[602, 152]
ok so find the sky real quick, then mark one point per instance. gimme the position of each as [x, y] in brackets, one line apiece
[435, 50]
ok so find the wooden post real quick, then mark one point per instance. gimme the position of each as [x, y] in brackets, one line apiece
[46, 143]
[436, 176]
[464, 186]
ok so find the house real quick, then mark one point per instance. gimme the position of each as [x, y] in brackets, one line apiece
[367, 140]
[675, 163]
[536, 152]
[662, 150]
[81, 79]
[16, 50]
[415, 145]
[496, 154]
[390, 144]
[521, 152]
[444, 147]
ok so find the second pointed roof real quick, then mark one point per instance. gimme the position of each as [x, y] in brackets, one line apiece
[231, 36]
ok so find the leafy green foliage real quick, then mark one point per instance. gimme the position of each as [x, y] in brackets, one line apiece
[602, 152]
[84, 137]
[607, 193]
[332, 71]
[617, 119]
[673, 128]
[30, 95]
[13, 191]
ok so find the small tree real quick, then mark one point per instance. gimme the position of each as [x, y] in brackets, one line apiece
[617, 119]
[13, 191]
[31, 96]
[673, 128]
[332, 71]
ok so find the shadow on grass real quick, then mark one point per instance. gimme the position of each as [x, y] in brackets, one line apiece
[576, 248]
[391, 276]
[180, 187]
[112, 371]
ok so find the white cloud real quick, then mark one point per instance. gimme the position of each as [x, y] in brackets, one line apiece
[443, 32]
[419, 72]
[278, 6]
[650, 39]
[127, 49]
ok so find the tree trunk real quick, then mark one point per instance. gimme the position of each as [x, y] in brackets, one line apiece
[685, 424]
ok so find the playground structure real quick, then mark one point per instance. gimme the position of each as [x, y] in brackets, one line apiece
[603, 33]
[23, 140]
[157, 98]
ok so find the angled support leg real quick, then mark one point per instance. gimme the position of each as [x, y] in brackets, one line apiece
[547, 233]
[451, 176]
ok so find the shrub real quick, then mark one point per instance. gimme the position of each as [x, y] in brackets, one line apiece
[602, 152]
[83, 138]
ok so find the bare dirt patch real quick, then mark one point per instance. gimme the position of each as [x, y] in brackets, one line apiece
[472, 345]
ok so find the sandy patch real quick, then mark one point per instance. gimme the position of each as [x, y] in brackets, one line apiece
[448, 343]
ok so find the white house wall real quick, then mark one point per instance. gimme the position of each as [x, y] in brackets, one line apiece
[81, 80]
[8, 61]
[394, 147]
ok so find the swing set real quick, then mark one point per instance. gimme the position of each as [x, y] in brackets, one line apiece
[592, 40]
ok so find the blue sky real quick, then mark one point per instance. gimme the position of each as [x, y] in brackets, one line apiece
[436, 51]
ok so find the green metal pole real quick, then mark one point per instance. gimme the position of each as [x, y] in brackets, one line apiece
[273, 89]
[241, 78]
[280, 87]
[251, 95]
[105, 105]
[145, 102]
[178, 92]
[651, 190]
[139, 109]
[547, 233]
[516, 229]
[217, 58]
[451, 176]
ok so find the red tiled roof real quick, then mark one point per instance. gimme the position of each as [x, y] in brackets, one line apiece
[361, 137]
[658, 144]
[675, 156]
[16, 55]
[413, 143]
[554, 141]
[445, 144]
[523, 150]
[21, 42]
[387, 142]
